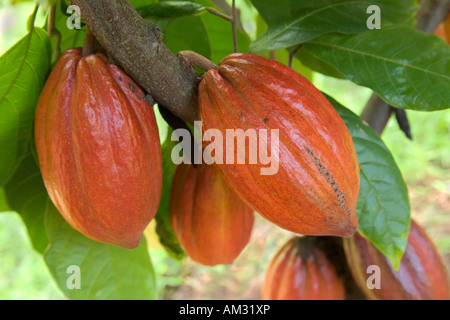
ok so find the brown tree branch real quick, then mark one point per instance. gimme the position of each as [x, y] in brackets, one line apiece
[137, 47]
[431, 13]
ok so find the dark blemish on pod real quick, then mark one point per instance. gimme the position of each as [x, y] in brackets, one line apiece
[330, 180]
[133, 88]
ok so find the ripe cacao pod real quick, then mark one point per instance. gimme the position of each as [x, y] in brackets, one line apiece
[210, 221]
[301, 271]
[443, 30]
[422, 274]
[98, 147]
[316, 187]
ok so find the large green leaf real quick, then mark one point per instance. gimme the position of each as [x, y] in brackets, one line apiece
[404, 66]
[106, 271]
[26, 194]
[383, 205]
[163, 227]
[292, 22]
[23, 70]
[318, 65]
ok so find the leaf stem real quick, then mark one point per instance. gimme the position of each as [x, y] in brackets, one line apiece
[53, 32]
[219, 14]
[233, 25]
[292, 54]
[232, 19]
[32, 18]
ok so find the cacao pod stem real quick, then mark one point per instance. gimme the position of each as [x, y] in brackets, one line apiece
[195, 59]
[89, 43]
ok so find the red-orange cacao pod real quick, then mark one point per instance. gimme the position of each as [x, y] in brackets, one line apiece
[422, 274]
[98, 147]
[210, 221]
[316, 187]
[301, 271]
[443, 29]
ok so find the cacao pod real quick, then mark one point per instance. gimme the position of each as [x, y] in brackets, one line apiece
[316, 187]
[301, 271]
[443, 30]
[98, 148]
[211, 223]
[422, 274]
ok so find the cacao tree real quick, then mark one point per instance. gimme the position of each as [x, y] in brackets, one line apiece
[189, 124]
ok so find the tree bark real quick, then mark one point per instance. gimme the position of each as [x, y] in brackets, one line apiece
[136, 45]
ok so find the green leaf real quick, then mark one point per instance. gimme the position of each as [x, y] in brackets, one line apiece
[178, 37]
[3, 204]
[292, 22]
[106, 271]
[383, 205]
[404, 66]
[140, 3]
[318, 65]
[26, 194]
[171, 9]
[164, 229]
[23, 70]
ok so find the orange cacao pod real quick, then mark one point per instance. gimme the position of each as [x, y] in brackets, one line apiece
[98, 147]
[211, 223]
[443, 29]
[301, 271]
[422, 274]
[315, 189]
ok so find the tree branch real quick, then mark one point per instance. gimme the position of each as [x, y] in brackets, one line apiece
[137, 47]
[432, 12]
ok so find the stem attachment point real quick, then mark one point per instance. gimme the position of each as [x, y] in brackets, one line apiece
[195, 59]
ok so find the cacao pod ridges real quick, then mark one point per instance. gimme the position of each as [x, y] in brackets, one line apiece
[422, 274]
[98, 148]
[316, 187]
[210, 221]
[301, 271]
